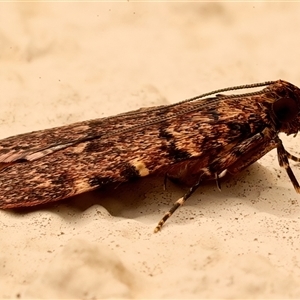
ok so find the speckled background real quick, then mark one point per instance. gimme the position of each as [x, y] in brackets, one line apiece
[66, 62]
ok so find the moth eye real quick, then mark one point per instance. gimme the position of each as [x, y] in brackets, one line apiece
[285, 109]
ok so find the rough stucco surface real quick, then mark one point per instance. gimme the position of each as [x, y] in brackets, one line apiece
[68, 62]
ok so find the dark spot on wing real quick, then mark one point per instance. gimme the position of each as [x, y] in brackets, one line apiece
[237, 152]
[99, 181]
[175, 153]
[92, 146]
[164, 134]
[18, 147]
[240, 129]
[215, 115]
[6, 150]
[129, 172]
[60, 179]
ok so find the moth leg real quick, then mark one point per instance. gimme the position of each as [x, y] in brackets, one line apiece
[205, 174]
[251, 158]
[257, 147]
[243, 155]
[167, 178]
[251, 149]
[218, 182]
[165, 181]
[263, 148]
[176, 205]
[292, 157]
[217, 178]
[283, 156]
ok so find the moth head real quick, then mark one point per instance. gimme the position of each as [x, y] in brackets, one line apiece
[286, 110]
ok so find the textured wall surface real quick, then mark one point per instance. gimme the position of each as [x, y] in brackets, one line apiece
[68, 62]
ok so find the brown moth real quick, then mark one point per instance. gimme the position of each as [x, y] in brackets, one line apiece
[192, 141]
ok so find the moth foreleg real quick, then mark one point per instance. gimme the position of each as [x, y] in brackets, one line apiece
[283, 156]
[252, 150]
[292, 157]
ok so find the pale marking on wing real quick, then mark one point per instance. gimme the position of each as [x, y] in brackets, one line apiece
[140, 167]
[79, 148]
[40, 154]
[81, 186]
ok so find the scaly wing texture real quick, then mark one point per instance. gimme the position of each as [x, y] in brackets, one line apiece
[57, 163]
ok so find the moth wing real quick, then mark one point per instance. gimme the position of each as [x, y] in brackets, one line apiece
[83, 157]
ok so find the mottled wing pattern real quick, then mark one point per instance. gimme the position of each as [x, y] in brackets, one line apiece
[88, 155]
[57, 163]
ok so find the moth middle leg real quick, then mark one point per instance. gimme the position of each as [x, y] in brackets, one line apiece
[180, 201]
[233, 159]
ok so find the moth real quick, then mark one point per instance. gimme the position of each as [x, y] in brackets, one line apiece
[195, 140]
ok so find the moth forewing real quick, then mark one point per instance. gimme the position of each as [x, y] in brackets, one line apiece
[192, 141]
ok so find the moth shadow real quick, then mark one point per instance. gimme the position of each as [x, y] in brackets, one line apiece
[261, 189]
[258, 187]
[147, 198]
[126, 200]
